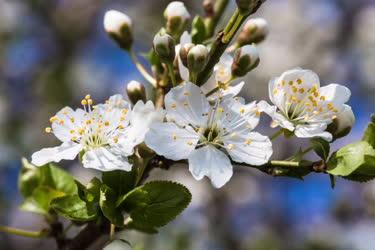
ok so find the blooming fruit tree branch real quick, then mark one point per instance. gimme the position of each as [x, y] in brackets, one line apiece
[194, 115]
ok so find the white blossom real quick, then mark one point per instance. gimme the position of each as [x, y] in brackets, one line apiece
[115, 20]
[302, 106]
[176, 9]
[206, 134]
[105, 134]
[221, 77]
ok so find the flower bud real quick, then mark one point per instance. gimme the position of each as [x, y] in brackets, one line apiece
[197, 58]
[247, 7]
[177, 18]
[246, 59]
[342, 125]
[184, 51]
[119, 28]
[136, 92]
[164, 46]
[254, 31]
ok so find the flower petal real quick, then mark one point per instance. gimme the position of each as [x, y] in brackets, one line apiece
[171, 141]
[186, 104]
[67, 122]
[185, 39]
[335, 93]
[143, 116]
[211, 162]
[277, 118]
[66, 151]
[104, 160]
[251, 148]
[223, 69]
[313, 130]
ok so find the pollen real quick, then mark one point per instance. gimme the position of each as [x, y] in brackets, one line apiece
[334, 117]
[72, 119]
[275, 91]
[230, 146]
[90, 101]
[173, 105]
[61, 122]
[81, 131]
[186, 104]
[290, 83]
[190, 143]
[88, 122]
[301, 90]
[299, 81]
[84, 102]
[115, 139]
[248, 142]
[322, 98]
[48, 130]
[186, 93]
[106, 123]
[120, 127]
[220, 110]
[53, 119]
[72, 131]
[174, 136]
[87, 97]
[242, 110]
[233, 134]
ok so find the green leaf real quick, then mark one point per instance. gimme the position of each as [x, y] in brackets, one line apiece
[198, 31]
[39, 201]
[29, 178]
[321, 147]
[120, 181]
[90, 192]
[43, 184]
[142, 228]
[73, 208]
[107, 203]
[369, 135]
[155, 203]
[356, 158]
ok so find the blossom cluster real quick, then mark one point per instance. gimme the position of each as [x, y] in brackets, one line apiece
[207, 125]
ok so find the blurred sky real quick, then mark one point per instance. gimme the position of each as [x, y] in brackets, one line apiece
[54, 52]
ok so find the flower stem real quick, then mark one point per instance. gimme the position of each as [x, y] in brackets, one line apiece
[277, 134]
[212, 20]
[142, 69]
[220, 44]
[291, 164]
[171, 74]
[25, 233]
[112, 231]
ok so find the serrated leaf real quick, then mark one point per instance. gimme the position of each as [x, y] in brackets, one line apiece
[321, 147]
[198, 31]
[156, 203]
[90, 192]
[107, 203]
[73, 208]
[40, 185]
[369, 135]
[120, 181]
[356, 158]
[358, 177]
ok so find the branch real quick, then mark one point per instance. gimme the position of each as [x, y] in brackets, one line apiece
[214, 15]
[25, 233]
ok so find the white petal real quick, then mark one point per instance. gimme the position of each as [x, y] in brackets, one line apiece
[239, 116]
[277, 118]
[223, 69]
[143, 116]
[171, 141]
[251, 148]
[68, 121]
[335, 93]
[211, 162]
[104, 160]
[117, 101]
[66, 151]
[185, 39]
[186, 104]
[313, 130]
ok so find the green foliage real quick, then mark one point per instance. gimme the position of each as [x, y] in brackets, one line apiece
[321, 147]
[369, 135]
[354, 161]
[40, 186]
[107, 203]
[120, 181]
[198, 31]
[73, 208]
[155, 203]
